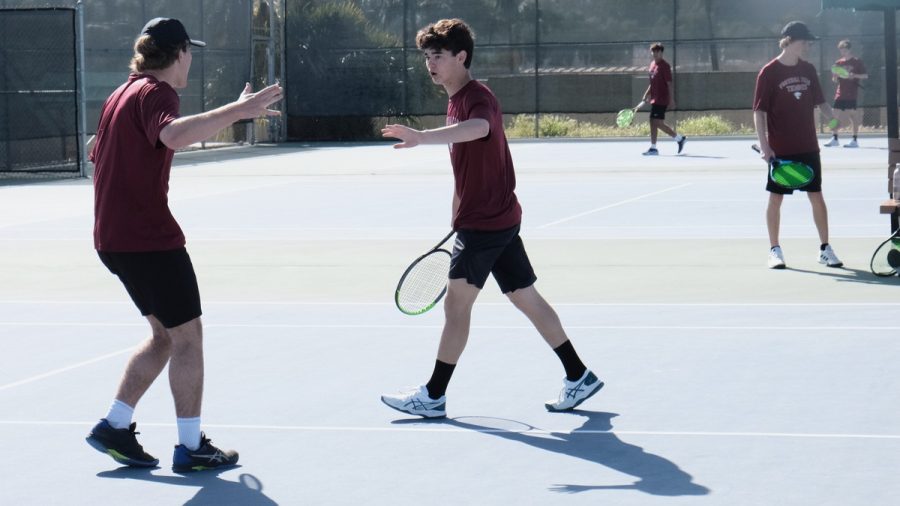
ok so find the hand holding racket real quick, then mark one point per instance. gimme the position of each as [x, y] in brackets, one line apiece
[787, 173]
[886, 259]
[424, 282]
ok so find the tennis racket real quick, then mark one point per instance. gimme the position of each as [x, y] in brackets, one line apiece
[886, 259]
[626, 116]
[840, 71]
[787, 173]
[424, 282]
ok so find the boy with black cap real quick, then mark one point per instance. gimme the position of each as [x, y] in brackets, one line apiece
[138, 239]
[787, 93]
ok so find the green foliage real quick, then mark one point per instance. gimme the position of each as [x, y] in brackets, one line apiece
[555, 125]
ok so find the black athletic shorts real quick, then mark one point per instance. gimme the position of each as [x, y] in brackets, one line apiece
[161, 283]
[845, 105]
[477, 253]
[811, 159]
[658, 111]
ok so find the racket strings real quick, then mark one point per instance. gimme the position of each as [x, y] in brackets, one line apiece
[424, 283]
[886, 260]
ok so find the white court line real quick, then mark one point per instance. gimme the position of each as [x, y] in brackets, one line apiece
[506, 304]
[462, 430]
[616, 204]
[64, 369]
[474, 327]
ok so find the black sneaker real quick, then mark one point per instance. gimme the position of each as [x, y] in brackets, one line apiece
[120, 444]
[681, 143]
[203, 458]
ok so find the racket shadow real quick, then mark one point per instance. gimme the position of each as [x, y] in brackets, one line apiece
[848, 275]
[595, 442]
[213, 489]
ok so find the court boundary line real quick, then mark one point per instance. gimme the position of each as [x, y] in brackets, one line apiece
[615, 204]
[65, 369]
[440, 326]
[544, 432]
[485, 303]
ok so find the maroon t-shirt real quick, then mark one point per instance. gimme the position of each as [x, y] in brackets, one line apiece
[660, 77]
[789, 95]
[482, 169]
[131, 176]
[848, 89]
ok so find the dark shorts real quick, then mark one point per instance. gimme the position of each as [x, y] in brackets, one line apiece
[845, 105]
[811, 159]
[478, 253]
[658, 111]
[161, 283]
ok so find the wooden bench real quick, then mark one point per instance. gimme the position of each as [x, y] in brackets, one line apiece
[891, 206]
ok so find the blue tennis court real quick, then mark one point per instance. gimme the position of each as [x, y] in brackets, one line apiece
[726, 383]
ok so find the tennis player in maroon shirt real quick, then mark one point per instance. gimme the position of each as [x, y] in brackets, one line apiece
[787, 93]
[486, 217]
[138, 239]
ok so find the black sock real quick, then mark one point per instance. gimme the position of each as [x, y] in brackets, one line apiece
[854, 137]
[822, 247]
[570, 361]
[440, 378]
[835, 136]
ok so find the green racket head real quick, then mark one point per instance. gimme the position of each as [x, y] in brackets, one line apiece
[833, 123]
[624, 118]
[840, 71]
[790, 174]
[886, 259]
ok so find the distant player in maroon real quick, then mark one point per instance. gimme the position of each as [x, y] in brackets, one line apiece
[660, 95]
[847, 94]
[486, 217]
[787, 93]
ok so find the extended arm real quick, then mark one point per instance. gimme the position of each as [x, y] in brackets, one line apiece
[188, 130]
[469, 130]
[762, 134]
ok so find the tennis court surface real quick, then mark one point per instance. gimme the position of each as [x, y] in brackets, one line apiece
[726, 383]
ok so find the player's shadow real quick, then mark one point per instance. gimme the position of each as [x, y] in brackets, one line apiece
[848, 275]
[213, 489]
[595, 442]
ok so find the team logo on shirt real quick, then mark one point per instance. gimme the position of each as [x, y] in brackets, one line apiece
[795, 85]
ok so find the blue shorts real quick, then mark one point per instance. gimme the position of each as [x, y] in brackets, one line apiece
[478, 253]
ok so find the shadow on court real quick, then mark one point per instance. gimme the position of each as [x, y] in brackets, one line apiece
[594, 442]
[847, 275]
[213, 490]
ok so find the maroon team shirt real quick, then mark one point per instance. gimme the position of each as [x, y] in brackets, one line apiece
[848, 89]
[131, 176]
[789, 95]
[660, 77]
[482, 169]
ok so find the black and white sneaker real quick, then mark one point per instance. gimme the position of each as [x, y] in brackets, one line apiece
[120, 444]
[575, 392]
[681, 143]
[203, 458]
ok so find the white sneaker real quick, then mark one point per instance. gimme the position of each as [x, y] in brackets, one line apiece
[851, 144]
[827, 257]
[651, 152]
[417, 402]
[776, 258]
[832, 143]
[575, 392]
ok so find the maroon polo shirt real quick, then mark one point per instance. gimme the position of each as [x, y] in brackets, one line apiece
[789, 95]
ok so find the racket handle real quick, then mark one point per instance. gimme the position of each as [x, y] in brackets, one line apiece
[640, 104]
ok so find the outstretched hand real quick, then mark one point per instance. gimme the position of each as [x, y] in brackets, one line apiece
[254, 105]
[410, 137]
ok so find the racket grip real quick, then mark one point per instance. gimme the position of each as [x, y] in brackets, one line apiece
[640, 104]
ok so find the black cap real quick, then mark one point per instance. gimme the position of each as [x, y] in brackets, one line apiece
[797, 30]
[168, 33]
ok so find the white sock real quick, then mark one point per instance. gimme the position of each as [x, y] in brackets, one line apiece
[189, 432]
[678, 138]
[120, 414]
[653, 146]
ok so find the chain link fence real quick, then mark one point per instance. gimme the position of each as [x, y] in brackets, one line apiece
[38, 92]
[353, 65]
